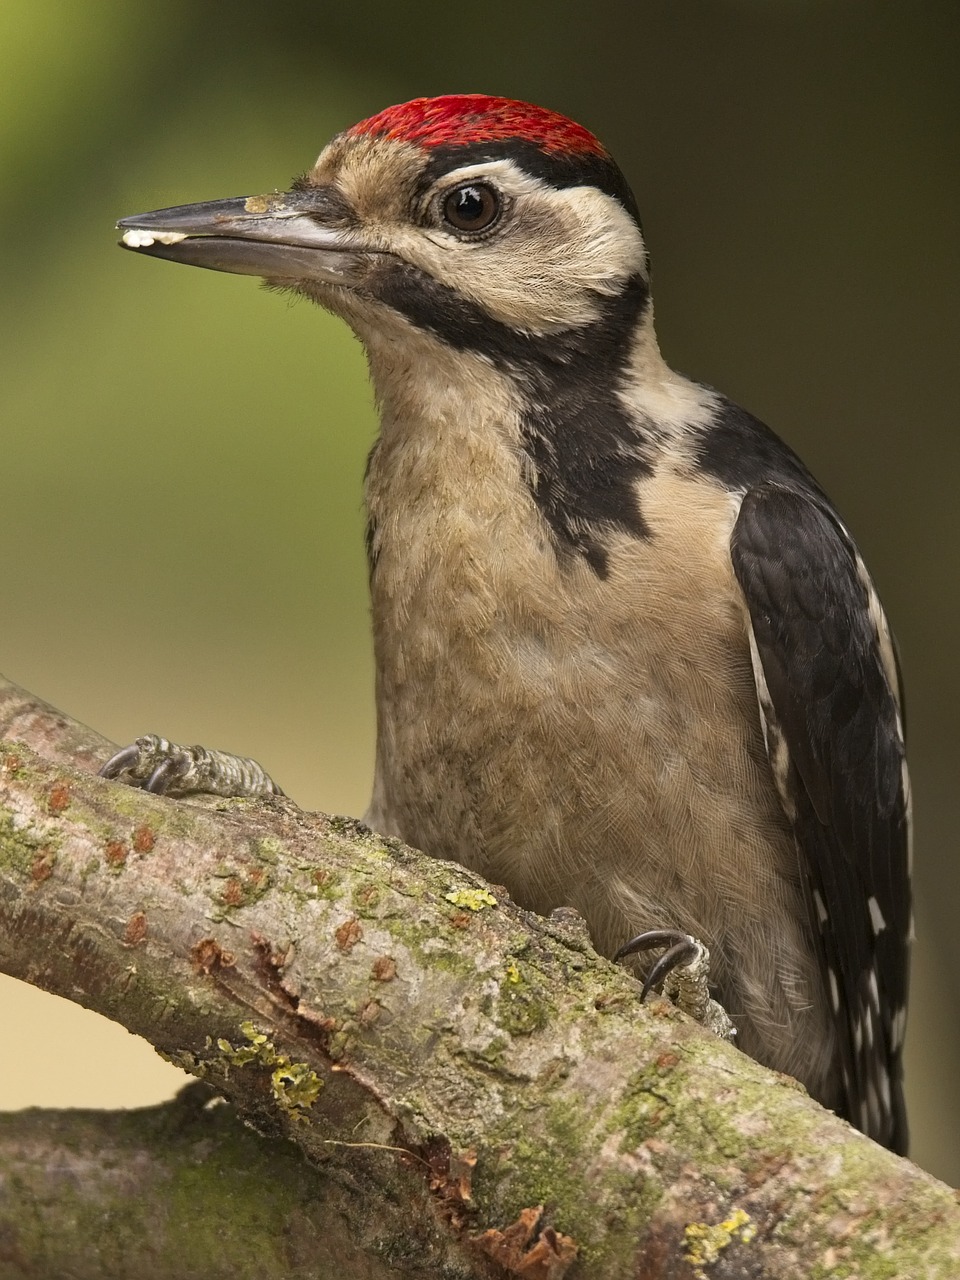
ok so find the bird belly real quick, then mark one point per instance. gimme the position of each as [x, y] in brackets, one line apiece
[595, 743]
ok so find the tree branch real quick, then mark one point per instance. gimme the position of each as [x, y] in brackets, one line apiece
[452, 1061]
[180, 1190]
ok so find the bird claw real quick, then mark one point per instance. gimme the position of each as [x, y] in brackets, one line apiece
[684, 971]
[165, 768]
[151, 763]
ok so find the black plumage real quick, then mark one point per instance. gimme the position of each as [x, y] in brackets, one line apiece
[831, 703]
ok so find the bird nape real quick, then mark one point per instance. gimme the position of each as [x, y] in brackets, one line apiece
[628, 657]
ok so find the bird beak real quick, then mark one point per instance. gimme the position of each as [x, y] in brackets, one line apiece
[288, 236]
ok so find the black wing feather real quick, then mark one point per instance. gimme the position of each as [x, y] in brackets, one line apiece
[836, 709]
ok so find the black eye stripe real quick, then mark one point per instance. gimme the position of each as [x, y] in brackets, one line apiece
[472, 206]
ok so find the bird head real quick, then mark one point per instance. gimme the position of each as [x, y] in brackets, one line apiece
[473, 219]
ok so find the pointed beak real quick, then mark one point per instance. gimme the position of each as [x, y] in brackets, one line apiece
[289, 236]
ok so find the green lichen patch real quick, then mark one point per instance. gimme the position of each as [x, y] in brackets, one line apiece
[431, 946]
[258, 1048]
[470, 899]
[522, 1007]
[267, 849]
[490, 1054]
[24, 850]
[295, 1085]
[367, 898]
[703, 1243]
[646, 1104]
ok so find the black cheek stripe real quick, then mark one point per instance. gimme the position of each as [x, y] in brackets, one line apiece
[587, 450]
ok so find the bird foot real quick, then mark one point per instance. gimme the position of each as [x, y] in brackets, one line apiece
[165, 768]
[684, 970]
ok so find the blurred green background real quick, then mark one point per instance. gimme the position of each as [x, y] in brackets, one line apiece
[182, 452]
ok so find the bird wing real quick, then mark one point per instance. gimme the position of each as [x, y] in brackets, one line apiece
[828, 687]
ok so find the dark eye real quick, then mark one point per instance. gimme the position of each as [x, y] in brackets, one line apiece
[473, 207]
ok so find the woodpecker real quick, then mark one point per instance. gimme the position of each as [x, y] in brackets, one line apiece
[628, 657]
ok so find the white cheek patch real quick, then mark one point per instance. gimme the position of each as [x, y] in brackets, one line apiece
[144, 239]
[605, 242]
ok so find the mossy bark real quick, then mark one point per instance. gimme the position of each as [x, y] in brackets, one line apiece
[183, 1191]
[489, 1090]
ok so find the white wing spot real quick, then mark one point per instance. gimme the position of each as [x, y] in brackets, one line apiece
[873, 1107]
[898, 1027]
[834, 991]
[883, 1079]
[822, 916]
[876, 916]
[882, 637]
[872, 988]
[908, 806]
[778, 753]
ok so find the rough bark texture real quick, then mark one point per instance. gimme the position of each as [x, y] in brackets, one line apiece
[448, 1062]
